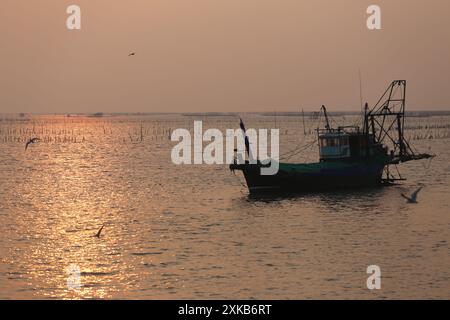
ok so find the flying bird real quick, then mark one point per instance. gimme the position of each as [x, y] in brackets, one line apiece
[413, 197]
[31, 141]
[132, 54]
[99, 232]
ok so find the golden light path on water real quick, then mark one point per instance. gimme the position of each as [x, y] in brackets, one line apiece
[192, 231]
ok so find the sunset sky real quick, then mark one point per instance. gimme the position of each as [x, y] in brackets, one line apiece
[220, 55]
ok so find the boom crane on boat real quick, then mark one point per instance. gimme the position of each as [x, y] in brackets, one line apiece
[327, 122]
[386, 122]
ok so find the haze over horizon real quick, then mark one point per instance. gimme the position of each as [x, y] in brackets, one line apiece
[220, 56]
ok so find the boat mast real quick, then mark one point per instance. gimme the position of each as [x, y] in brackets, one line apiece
[247, 143]
[366, 122]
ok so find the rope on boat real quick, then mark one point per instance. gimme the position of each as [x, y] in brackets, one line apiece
[299, 148]
[296, 151]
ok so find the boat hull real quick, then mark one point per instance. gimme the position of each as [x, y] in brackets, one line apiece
[319, 176]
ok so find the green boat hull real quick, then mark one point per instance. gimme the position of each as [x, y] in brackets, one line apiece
[327, 175]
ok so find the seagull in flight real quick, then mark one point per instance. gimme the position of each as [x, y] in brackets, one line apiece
[31, 141]
[413, 197]
[99, 232]
[132, 54]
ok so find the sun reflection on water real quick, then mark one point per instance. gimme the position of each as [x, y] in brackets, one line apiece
[192, 232]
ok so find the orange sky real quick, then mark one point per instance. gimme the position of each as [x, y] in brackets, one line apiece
[220, 55]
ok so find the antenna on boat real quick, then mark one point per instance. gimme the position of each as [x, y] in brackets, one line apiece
[360, 90]
[304, 128]
[364, 108]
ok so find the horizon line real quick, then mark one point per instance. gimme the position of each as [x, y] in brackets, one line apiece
[101, 113]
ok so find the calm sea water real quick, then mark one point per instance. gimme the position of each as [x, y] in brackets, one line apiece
[193, 231]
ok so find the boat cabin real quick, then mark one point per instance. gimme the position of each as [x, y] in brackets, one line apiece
[344, 144]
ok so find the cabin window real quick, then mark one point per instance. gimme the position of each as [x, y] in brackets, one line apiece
[330, 142]
[333, 142]
[344, 141]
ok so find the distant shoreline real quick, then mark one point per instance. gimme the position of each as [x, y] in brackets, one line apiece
[413, 113]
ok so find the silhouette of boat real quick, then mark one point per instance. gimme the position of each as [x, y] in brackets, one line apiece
[350, 156]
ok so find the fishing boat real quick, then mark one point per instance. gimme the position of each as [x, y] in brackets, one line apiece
[349, 156]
